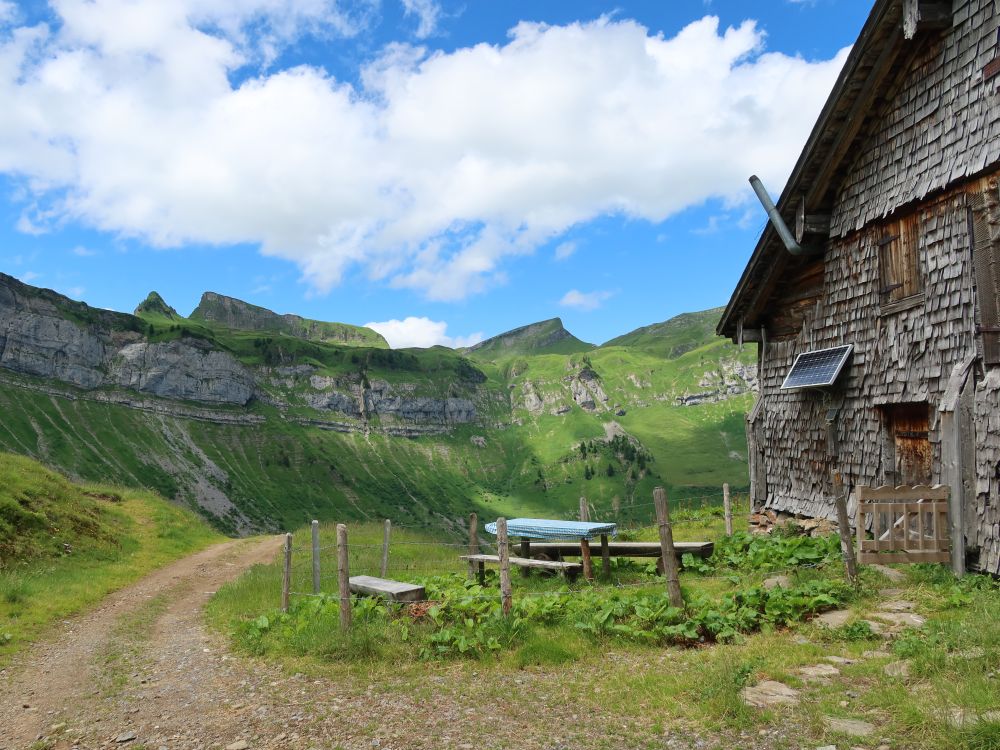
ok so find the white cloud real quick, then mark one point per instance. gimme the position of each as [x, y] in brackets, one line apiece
[422, 332]
[76, 292]
[564, 250]
[428, 13]
[432, 175]
[585, 300]
[83, 252]
[29, 276]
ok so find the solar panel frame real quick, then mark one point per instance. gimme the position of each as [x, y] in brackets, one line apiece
[831, 370]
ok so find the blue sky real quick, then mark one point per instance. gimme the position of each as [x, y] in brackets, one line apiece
[460, 168]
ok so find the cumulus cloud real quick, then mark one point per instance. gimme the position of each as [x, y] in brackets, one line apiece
[585, 300]
[422, 332]
[432, 174]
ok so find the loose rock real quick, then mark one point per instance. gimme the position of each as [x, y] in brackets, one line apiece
[770, 693]
[852, 727]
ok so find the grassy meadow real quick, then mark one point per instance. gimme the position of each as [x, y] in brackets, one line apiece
[64, 546]
[650, 666]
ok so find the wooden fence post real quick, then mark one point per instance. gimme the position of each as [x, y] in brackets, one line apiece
[844, 528]
[385, 548]
[588, 566]
[315, 551]
[667, 547]
[605, 558]
[286, 576]
[504, 553]
[727, 507]
[473, 541]
[343, 577]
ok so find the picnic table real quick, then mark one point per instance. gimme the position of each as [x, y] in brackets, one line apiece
[550, 529]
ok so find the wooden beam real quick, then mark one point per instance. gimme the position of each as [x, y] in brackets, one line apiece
[851, 123]
[810, 224]
[926, 15]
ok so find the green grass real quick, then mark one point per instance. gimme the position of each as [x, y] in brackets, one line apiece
[114, 536]
[647, 686]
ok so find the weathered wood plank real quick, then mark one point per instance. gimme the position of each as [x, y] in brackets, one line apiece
[396, 591]
[623, 549]
[526, 562]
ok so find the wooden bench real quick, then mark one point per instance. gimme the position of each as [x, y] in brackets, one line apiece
[570, 570]
[395, 591]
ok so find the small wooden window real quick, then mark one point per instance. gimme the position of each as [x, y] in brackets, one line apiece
[899, 261]
[907, 426]
[986, 262]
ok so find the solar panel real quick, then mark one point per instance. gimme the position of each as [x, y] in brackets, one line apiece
[817, 369]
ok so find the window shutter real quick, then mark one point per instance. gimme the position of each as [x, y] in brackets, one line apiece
[986, 263]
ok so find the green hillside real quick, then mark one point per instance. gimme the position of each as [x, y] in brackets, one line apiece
[673, 337]
[64, 545]
[545, 337]
[217, 310]
[524, 424]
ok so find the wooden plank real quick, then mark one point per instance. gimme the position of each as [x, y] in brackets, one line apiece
[903, 493]
[474, 544]
[667, 543]
[315, 556]
[343, 577]
[727, 508]
[525, 562]
[624, 549]
[286, 574]
[396, 591]
[844, 529]
[386, 533]
[506, 600]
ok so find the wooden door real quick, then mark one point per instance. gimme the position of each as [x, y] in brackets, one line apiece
[909, 424]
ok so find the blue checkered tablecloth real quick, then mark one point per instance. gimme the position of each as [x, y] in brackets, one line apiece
[543, 528]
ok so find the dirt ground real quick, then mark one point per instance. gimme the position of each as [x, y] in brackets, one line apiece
[142, 671]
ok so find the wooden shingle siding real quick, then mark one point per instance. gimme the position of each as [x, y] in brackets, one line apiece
[905, 159]
[940, 124]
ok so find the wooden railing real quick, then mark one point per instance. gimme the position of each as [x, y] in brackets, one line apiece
[907, 524]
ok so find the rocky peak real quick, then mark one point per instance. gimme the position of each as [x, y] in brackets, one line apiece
[156, 305]
[235, 313]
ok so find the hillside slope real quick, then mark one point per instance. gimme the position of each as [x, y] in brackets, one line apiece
[259, 430]
[544, 337]
[65, 545]
[229, 312]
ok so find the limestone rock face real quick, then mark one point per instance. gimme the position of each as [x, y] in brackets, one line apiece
[181, 371]
[50, 347]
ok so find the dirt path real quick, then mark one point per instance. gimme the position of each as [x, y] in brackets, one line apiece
[142, 671]
[140, 659]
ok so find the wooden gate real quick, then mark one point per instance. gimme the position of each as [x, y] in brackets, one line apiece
[907, 524]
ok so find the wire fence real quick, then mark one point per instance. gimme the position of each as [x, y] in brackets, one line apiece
[401, 554]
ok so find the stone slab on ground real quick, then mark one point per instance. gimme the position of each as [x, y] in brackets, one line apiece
[819, 672]
[852, 727]
[897, 605]
[834, 618]
[770, 693]
[908, 619]
[838, 659]
[777, 581]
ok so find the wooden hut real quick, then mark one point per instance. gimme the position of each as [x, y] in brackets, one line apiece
[894, 212]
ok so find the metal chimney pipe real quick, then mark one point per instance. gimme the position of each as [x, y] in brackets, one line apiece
[780, 226]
